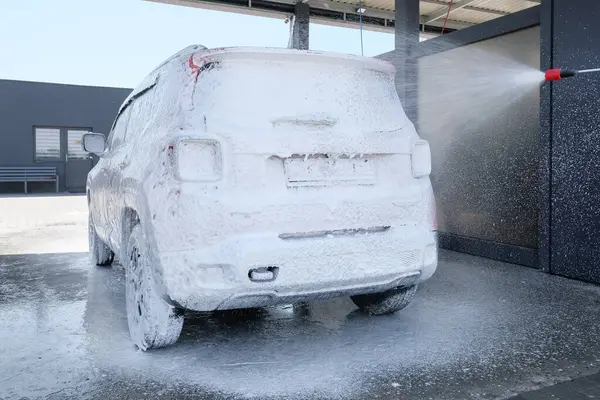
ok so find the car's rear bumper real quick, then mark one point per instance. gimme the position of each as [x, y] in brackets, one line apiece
[309, 268]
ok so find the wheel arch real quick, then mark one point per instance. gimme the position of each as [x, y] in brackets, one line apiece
[129, 219]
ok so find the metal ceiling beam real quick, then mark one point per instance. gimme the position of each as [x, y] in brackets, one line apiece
[470, 8]
[323, 12]
[223, 6]
[444, 11]
[369, 12]
[349, 24]
[451, 23]
[351, 9]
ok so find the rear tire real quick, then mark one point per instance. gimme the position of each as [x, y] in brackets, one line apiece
[153, 323]
[100, 253]
[387, 302]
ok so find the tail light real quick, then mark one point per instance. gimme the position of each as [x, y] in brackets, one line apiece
[197, 160]
[421, 158]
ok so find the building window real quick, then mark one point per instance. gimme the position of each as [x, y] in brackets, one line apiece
[47, 144]
[74, 146]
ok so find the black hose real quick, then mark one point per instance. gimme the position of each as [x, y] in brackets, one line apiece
[567, 73]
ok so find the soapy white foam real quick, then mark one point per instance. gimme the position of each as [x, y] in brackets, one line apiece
[262, 107]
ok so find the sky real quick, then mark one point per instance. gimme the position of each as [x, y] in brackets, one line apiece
[117, 42]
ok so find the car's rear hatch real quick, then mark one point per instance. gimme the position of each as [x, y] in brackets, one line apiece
[261, 91]
[307, 128]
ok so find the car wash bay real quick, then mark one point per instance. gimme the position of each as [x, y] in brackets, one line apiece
[522, 183]
[480, 328]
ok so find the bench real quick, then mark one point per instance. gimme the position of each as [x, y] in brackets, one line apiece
[29, 174]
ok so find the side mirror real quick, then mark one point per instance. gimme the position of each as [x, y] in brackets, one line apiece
[94, 143]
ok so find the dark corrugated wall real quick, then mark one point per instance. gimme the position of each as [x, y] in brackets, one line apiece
[26, 104]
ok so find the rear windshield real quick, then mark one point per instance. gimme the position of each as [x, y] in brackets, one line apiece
[259, 95]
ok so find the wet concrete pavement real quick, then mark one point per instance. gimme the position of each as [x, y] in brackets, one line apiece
[478, 330]
[586, 388]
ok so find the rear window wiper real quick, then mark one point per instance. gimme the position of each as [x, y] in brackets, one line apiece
[308, 121]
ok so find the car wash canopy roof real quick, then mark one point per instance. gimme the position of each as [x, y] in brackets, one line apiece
[377, 15]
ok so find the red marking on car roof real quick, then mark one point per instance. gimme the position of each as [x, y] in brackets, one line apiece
[196, 72]
[193, 64]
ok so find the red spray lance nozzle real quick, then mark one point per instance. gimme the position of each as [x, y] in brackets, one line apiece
[557, 74]
[553, 74]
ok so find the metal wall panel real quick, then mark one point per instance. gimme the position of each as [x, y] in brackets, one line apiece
[485, 167]
[574, 239]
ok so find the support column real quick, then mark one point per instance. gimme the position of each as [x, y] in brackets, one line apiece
[406, 24]
[545, 171]
[570, 124]
[300, 29]
[406, 34]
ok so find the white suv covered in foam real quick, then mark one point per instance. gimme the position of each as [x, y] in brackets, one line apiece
[244, 177]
